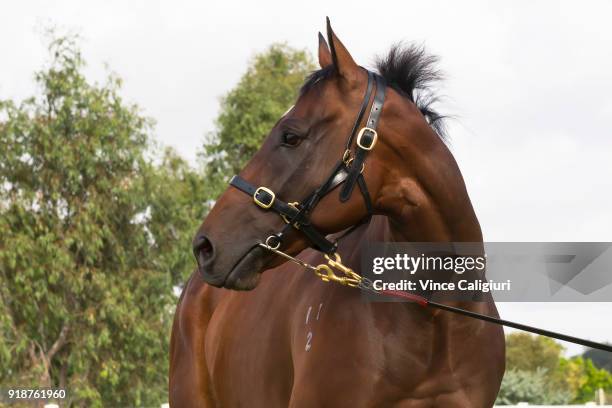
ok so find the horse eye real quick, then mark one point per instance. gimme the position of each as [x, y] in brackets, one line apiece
[290, 139]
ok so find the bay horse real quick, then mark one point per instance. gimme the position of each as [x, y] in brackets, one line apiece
[285, 338]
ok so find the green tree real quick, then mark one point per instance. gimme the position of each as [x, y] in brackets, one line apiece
[527, 352]
[583, 378]
[532, 371]
[532, 387]
[176, 194]
[537, 373]
[248, 112]
[86, 238]
[601, 359]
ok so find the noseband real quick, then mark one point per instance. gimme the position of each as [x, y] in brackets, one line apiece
[348, 173]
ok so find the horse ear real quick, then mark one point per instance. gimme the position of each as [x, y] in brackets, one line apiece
[346, 67]
[325, 57]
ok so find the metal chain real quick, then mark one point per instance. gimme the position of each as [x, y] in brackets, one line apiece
[289, 257]
[326, 271]
[367, 285]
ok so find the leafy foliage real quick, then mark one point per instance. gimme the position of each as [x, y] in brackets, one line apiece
[89, 234]
[527, 352]
[584, 379]
[94, 234]
[250, 110]
[600, 358]
[176, 193]
[538, 374]
[530, 386]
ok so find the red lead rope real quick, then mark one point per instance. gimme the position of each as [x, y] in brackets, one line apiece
[406, 295]
[329, 275]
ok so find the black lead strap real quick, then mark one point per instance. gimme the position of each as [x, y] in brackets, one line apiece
[524, 327]
[491, 319]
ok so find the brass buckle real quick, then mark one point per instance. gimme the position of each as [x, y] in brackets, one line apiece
[350, 160]
[261, 203]
[374, 140]
[346, 157]
[284, 217]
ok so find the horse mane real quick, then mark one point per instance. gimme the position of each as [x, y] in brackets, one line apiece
[412, 72]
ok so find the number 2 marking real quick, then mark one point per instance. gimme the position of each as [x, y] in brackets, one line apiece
[308, 341]
[309, 334]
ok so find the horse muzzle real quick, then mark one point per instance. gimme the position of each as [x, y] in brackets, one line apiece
[242, 274]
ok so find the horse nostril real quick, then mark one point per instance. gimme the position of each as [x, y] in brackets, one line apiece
[202, 249]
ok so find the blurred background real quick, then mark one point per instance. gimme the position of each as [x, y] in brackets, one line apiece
[119, 122]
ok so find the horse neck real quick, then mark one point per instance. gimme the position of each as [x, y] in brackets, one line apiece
[424, 198]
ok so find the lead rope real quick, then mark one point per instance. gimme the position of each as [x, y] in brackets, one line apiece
[325, 271]
[350, 278]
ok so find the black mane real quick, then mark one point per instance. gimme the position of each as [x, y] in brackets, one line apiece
[410, 71]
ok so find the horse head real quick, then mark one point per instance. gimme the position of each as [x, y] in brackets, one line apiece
[317, 172]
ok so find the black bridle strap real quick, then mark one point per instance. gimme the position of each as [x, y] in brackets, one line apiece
[297, 215]
[291, 213]
[365, 141]
[362, 108]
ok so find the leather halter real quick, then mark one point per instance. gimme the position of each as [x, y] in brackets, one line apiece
[348, 171]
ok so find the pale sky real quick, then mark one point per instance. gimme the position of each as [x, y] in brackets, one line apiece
[528, 81]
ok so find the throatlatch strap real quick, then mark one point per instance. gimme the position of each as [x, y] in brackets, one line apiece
[366, 140]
